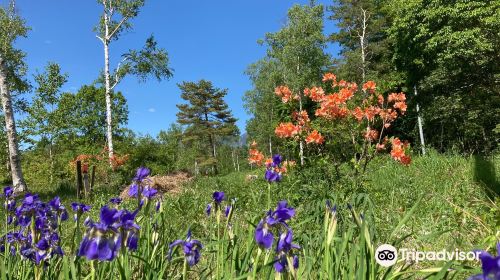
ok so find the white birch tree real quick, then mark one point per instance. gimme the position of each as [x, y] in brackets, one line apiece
[149, 61]
[12, 68]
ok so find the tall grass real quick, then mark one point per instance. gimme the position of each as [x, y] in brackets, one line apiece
[434, 204]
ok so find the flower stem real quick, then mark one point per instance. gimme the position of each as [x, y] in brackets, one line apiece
[184, 270]
[268, 195]
[255, 263]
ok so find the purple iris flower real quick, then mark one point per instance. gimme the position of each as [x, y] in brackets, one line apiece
[277, 159]
[30, 207]
[41, 241]
[103, 240]
[190, 247]
[274, 219]
[490, 266]
[272, 176]
[56, 204]
[283, 213]
[227, 211]
[273, 173]
[80, 207]
[284, 250]
[8, 191]
[133, 190]
[281, 263]
[208, 210]
[285, 242]
[141, 174]
[158, 205]
[218, 197]
[116, 200]
[130, 229]
[149, 192]
[263, 235]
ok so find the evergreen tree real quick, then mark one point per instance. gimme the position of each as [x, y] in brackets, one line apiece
[207, 117]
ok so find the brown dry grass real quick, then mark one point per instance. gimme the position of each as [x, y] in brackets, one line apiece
[167, 184]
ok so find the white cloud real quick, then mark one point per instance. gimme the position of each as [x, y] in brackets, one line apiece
[151, 110]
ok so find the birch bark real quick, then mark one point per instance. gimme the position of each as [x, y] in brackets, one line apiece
[10, 126]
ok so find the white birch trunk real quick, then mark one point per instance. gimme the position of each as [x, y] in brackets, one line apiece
[301, 143]
[10, 126]
[362, 43]
[109, 128]
[420, 129]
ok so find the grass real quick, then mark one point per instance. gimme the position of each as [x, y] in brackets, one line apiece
[438, 202]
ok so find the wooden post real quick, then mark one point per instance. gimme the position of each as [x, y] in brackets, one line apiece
[79, 179]
[92, 179]
[86, 184]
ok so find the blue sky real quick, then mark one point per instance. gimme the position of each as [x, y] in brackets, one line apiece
[214, 40]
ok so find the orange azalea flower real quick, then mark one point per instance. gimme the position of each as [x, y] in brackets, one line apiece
[286, 130]
[401, 105]
[406, 160]
[358, 114]
[254, 155]
[346, 94]
[315, 137]
[388, 115]
[284, 92]
[289, 163]
[301, 117]
[269, 161]
[315, 93]
[329, 111]
[398, 151]
[282, 170]
[380, 99]
[369, 86]
[395, 97]
[352, 86]
[371, 112]
[371, 134]
[342, 83]
[330, 77]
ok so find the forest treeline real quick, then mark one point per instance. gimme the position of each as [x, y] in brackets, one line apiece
[443, 54]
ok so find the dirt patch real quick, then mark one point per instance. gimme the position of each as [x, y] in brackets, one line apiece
[167, 184]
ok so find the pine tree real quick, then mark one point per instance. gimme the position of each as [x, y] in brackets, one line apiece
[207, 117]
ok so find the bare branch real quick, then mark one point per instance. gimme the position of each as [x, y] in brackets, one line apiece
[117, 27]
[100, 38]
[117, 78]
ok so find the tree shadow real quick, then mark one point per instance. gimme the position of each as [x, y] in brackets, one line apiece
[485, 174]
